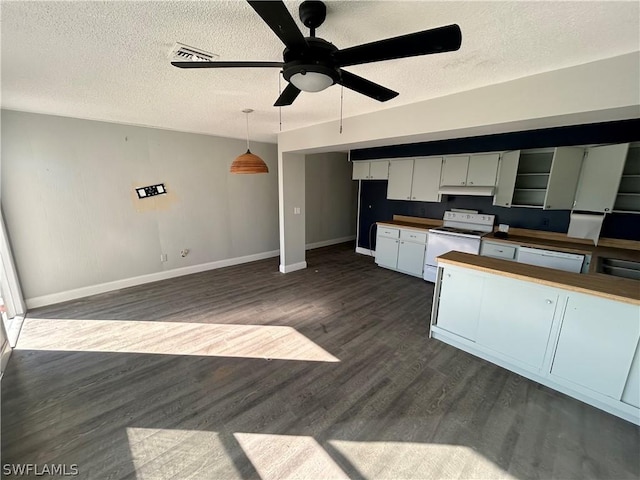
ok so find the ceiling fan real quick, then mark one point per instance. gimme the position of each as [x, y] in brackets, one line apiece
[312, 64]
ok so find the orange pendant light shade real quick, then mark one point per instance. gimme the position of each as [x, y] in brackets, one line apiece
[249, 163]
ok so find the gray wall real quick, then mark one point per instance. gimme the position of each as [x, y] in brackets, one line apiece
[74, 219]
[331, 198]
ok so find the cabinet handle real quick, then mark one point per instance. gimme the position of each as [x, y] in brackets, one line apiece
[499, 251]
[549, 301]
[606, 209]
[413, 198]
[470, 183]
[408, 198]
[461, 183]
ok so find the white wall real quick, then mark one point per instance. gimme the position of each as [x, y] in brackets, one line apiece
[331, 199]
[75, 221]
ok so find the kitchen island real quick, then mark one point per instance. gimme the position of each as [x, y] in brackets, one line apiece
[575, 333]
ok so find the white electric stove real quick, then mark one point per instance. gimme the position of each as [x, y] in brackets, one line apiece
[461, 231]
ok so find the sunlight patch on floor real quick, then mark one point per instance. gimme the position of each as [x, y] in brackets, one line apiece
[288, 456]
[171, 338]
[159, 454]
[393, 460]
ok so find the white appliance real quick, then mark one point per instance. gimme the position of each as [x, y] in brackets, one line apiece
[569, 262]
[461, 231]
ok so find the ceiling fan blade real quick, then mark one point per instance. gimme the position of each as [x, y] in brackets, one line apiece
[366, 87]
[287, 96]
[436, 40]
[276, 15]
[182, 64]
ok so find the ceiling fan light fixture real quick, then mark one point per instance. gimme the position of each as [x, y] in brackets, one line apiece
[311, 78]
[311, 81]
[248, 162]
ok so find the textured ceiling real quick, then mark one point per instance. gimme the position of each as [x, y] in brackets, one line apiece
[110, 60]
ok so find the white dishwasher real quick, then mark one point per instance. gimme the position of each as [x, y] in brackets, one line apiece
[569, 262]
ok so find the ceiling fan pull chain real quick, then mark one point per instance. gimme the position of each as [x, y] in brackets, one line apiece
[341, 104]
[280, 93]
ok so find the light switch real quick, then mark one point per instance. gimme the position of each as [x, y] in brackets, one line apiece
[296, 210]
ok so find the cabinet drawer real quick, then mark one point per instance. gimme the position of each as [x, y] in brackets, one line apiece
[388, 232]
[498, 251]
[413, 236]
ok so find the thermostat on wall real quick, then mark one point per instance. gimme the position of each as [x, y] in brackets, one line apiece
[151, 191]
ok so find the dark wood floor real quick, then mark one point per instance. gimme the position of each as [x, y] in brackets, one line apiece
[355, 389]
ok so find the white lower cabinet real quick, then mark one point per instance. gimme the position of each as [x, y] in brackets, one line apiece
[401, 249]
[516, 318]
[583, 345]
[387, 251]
[460, 300]
[411, 257]
[597, 342]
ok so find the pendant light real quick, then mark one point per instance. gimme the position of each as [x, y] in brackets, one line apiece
[248, 162]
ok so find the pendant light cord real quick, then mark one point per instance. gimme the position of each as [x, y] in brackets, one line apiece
[247, 113]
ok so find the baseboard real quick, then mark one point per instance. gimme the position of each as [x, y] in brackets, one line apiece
[366, 251]
[326, 243]
[59, 297]
[293, 267]
[5, 353]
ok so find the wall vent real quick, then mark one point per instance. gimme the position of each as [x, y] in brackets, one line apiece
[186, 53]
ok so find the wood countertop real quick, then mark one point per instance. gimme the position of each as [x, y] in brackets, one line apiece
[606, 286]
[415, 223]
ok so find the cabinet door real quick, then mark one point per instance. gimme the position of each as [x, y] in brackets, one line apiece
[631, 393]
[379, 170]
[516, 318]
[563, 178]
[426, 179]
[454, 171]
[506, 184]
[483, 169]
[360, 171]
[387, 252]
[400, 175]
[600, 178]
[459, 305]
[597, 341]
[411, 258]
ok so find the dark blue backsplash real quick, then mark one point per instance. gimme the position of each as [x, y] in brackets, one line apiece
[375, 207]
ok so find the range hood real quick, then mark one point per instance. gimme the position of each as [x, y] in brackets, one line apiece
[467, 190]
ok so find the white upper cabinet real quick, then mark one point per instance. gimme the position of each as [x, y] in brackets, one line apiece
[544, 178]
[506, 178]
[470, 170]
[400, 177]
[415, 179]
[371, 170]
[600, 178]
[563, 178]
[379, 170]
[454, 171]
[426, 179]
[483, 169]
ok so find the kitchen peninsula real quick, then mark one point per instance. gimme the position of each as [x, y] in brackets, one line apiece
[575, 333]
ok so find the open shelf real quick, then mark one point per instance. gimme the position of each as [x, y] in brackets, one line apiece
[532, 197]
[628, 198]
